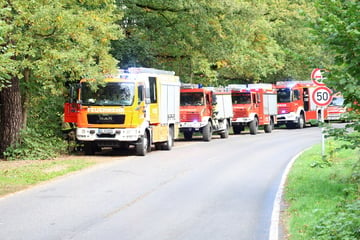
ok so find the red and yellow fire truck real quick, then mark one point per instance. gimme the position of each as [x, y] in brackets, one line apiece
[254, 105]
[139, 107]
[296, 105]
[204, 110]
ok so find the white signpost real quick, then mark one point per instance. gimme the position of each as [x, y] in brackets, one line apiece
[322, 97]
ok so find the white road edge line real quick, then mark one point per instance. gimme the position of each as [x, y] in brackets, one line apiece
[275, 216]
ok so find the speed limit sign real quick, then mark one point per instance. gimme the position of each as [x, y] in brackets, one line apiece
[322, 96]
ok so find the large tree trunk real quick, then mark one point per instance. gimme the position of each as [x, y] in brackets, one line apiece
[10, 115]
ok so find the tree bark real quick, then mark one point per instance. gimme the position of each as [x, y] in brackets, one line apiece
[10, 115]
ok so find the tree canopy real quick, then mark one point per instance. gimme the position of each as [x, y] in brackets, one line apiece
[45, 43]
[207, 41]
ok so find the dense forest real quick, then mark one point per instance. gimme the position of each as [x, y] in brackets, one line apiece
[45, 44]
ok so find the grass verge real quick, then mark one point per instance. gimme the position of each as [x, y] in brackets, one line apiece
[18, 175]
[322, 195]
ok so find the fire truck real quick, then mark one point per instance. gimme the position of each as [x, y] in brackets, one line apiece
[137, 107]
[296, 105]
[336, 109]
[205, 111]
[254, 105]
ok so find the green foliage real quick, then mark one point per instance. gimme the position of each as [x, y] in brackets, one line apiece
[323, 201]
[13, 179]
[218, 42]
[43, 44]
[35, 145]
[341, 224]
[338, 31]
[43, 137]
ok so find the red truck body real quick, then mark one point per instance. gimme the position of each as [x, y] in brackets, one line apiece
[296, 105]
[206, 111]
[337, 109]
[254, 105]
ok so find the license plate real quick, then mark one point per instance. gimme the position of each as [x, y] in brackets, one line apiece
[106, 131]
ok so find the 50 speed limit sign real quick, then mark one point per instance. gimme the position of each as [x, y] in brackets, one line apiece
[322, 96]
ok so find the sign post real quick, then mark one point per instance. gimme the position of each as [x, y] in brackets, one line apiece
[322, 97]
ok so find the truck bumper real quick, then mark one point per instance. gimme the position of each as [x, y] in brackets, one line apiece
[99, 134]
[191, 126]
[286, 118]
[241, 121]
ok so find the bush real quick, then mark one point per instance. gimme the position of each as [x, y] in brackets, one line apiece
[42, 139]
[35, 145]
[341, 224]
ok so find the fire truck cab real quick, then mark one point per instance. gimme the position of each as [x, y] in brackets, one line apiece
[138, 107]
[254, 105]
[296, 105]
[337, 109]
[204, 110]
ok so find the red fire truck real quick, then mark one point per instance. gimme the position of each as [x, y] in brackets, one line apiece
[204, 110]
[337, 109]
[296, 105]
[254, 105]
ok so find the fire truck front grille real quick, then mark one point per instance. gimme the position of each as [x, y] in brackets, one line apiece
[283, 110]
[106, 118]
[240, 113]
[190, 117]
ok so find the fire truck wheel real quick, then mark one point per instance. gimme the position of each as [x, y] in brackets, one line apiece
[207, 132]
[188, 135]
[89, 148]
[253, 126]
[225, 133]
[142, 146]
[269, 127]
[237, 129]
[301, 122]
[170, 140]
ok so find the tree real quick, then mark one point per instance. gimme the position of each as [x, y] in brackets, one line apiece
[218, 42]
[338, 28]
[45, 43]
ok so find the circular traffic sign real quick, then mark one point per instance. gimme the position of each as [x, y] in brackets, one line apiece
[322, 96]
[317, 76]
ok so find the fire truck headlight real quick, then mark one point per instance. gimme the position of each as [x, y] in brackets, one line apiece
[284, 111]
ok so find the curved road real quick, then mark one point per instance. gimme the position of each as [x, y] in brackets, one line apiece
[223, 189]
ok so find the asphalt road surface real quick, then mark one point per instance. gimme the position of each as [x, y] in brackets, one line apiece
[217, 190]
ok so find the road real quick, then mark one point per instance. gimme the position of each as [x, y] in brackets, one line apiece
[222, 189]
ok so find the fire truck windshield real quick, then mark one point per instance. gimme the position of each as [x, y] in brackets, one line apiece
[111, 94]
[241, 98]
[283, 95]
[191, 99]
[337, 101]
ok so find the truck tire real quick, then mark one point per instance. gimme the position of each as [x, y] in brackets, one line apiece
[142, 146]
[237, 129]
[170, 140]
[269, 127]
[253, 126]
[207, 132]
[225, 133]
[301, 122]
[188, 135]
[89, 148]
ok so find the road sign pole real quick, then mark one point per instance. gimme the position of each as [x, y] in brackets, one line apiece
[322, 135]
